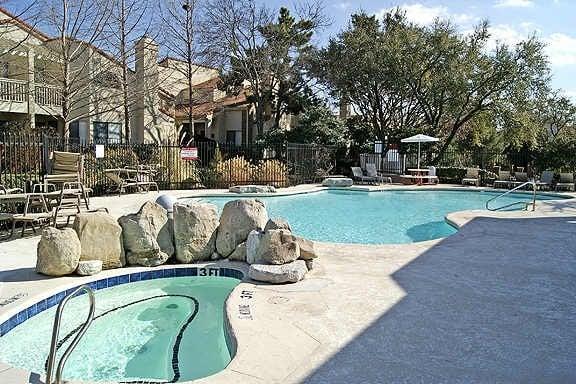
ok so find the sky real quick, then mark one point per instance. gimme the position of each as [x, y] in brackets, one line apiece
[553, 21]
[510, 21]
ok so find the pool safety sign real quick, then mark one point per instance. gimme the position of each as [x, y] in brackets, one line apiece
[189, 153]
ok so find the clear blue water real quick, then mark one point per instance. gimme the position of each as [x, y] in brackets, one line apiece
[388, 217]
[134, 341]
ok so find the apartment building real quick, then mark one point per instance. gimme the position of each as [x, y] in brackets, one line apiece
[30, 95]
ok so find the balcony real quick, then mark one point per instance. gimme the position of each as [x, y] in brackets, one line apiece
[13, 90]
[14, 96]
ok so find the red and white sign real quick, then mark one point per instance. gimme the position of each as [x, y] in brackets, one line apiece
[189, 153]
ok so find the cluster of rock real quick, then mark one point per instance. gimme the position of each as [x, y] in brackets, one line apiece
[243, 232]
[252, 189]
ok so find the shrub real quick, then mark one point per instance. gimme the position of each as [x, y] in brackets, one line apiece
[272, 172]
[236, 170]
[452, 175]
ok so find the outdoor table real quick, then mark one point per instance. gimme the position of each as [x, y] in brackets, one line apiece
[418, 173]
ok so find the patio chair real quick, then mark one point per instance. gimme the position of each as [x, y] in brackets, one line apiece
[65, 167]
[503, 179]
[372, 172]
[31, 218]
[520, 178]
[472, 177]
[359, 176]
[122, 177]
[566, 182]
[6, 191]
[546, 180]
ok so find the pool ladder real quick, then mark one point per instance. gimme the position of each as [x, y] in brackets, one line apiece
[533, 203]
[56, 331]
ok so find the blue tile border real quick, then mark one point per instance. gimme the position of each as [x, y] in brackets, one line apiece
[112, 281]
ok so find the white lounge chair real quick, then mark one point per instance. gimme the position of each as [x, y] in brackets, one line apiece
[360, 177]
[372, 172]
[472, 177]
[503, 179]
[546, 180]
[566, 182]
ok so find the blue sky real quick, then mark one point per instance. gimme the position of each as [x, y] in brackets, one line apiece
[553, 21]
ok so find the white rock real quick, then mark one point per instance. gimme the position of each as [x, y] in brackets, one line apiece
[278, 274]
[277, 223]
[89, 267]
[58, 252]
[195, 231]
[337, 182]
[252, 245]
[238, 218]
[239, 253]
[252, 189]
[277, 246]
[147, 236]
[100, 238]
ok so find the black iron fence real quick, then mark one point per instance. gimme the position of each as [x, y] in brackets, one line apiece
[25, 159]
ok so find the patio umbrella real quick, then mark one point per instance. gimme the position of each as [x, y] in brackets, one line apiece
[419, 139]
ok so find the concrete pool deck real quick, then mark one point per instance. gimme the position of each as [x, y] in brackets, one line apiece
[495, 302]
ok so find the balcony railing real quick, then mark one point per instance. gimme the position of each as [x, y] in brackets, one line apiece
[48, 95]
[13, 90]
[17, 91]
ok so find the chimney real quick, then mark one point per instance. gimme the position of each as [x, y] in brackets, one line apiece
[147, 101]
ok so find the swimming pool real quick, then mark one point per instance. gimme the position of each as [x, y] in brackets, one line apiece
[169, 329]
[384, 217]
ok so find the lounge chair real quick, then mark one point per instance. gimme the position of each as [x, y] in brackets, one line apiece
[520, 178]
[360, 177]
[431, 177]
[546, 180]
[6, 191]
[372, 172]
[503, 179]
[472, 177]
[566, 182]
[67, 168]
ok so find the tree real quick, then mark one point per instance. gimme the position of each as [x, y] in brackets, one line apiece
[81, 66]
[129, 20]
[179, 20]
[270, 56]
[406, 79]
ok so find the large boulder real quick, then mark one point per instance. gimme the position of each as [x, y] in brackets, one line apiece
[337, 182]
[195, 229]
[89, 267]
[307, 249]
[278, 247]
[100, 238]
[239, 253]
[278, 274]
[58, 252]
[252, 189]
[147, 236]
[238, 218]
[252, 246]
[277, 223]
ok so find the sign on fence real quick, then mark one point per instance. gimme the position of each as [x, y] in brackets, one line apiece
[189, 153]
[99, 151]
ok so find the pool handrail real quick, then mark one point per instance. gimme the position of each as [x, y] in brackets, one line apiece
[531, 182]
[56, 331]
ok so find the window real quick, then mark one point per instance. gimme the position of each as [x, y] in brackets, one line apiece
[74, 130]
[231, 137]
[200, 129]
[107, 132]
[5, 68]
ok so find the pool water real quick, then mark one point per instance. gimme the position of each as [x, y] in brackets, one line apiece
[135, 333]
[387, 217]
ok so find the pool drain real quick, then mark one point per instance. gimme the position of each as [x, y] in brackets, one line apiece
[172, 306]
